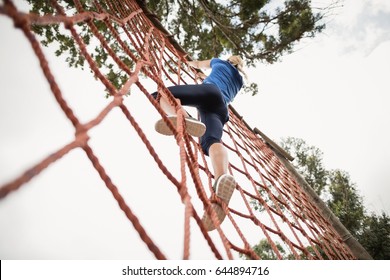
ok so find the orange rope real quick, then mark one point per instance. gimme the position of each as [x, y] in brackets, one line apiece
[289, 218]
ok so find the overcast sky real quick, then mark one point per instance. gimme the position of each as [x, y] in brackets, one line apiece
[333, 93]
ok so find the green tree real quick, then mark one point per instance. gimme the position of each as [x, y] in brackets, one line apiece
[264, 250]
[345, 202]
[375, 236]
[308, 162]
[341, 196]
[334, 186]
[256, 29]
[259, 30]
[57, 36]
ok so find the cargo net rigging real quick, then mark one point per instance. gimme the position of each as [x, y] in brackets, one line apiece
[268, 204]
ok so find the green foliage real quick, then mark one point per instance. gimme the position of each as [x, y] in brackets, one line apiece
[308, 162]
[375, 236]
[258, 30]
[313, 253]
[345, 202]
[261, 30]
[53, 34]
[251, 88]
[334, 186]
[342, 198]
[272, 200]
[264, 250]
[58, 36]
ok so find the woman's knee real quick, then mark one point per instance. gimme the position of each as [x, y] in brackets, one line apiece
[206, 143]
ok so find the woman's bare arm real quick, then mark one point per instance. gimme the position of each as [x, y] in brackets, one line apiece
[200, 64]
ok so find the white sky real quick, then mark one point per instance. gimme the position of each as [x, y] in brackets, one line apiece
[333, 93]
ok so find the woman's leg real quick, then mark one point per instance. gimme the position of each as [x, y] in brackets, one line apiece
[219, 159]
[214, 114]
[168, 108]
[224, 185]
[205, 97]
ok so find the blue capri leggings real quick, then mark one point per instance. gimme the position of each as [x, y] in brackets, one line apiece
[212, 109]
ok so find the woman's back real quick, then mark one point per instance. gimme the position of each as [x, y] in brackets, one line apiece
[226, 77]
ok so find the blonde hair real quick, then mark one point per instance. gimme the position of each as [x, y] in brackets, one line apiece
[239, 63]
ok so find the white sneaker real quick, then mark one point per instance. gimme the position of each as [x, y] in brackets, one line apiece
[193, 126]
[223, 187]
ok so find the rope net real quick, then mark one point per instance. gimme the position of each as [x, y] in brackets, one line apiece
[268, 204]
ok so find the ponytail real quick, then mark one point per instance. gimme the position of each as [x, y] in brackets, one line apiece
[237, 61]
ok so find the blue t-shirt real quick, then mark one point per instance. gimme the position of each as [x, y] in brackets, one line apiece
[226, 77]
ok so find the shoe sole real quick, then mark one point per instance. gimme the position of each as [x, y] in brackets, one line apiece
[193, 127]
[225, 188]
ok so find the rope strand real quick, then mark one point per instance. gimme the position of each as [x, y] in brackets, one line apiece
[268, 204]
